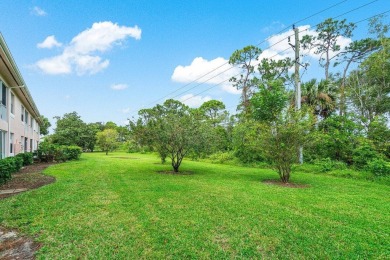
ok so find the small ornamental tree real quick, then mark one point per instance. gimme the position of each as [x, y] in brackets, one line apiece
[107, 140]
[172, 130]
[282, 138]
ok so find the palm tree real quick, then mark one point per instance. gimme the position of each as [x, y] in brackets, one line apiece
[320, 96]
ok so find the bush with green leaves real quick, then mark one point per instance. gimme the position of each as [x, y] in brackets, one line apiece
[26, 157]
[48, 152]
[363, 154]
[327, 165]
[71, 152]
[246, 142]
[378, 167]
[222, 157]
[8, 166]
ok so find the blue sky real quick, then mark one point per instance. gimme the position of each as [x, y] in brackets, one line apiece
[108, 59]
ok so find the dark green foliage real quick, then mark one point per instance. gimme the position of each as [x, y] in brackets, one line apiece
[281, 140]
[71, 130]
[327, 165]
[222, 157]
[71, 152]
[379, 133]
[269, 101]
[339, 136]
[26, 157]
[8, 166]
[246, 142]
[378, 167]
[173, 130]
[44, 127]
[48, 152]
[363, 154]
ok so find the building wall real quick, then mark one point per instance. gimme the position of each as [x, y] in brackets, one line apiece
[25, 134]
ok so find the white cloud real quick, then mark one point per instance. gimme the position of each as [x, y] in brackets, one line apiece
[38, 11]
[82, 54]
[67, 97]
[219, 72]
[194, 101]
[119, 86]
[49, 43]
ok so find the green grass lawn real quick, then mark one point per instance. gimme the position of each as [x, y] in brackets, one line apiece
[118, 206]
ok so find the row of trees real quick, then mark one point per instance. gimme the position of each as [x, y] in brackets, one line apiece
[344, 116]
[72, 130]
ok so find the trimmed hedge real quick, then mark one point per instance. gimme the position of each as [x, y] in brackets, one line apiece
[26, 157]
[48, 152]
[8, 166]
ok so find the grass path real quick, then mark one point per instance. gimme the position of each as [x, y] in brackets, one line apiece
[117, 206]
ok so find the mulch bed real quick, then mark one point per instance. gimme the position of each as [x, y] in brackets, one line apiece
[30, 177]
[286, 185]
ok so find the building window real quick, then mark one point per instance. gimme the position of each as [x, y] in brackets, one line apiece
[12, 103]
[11, 143]
[32, 123]
[22, 114]
[31, 145]
[3, 99]
[26, 116]
[25, 144]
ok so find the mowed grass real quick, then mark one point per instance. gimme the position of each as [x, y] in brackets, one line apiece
[118, 206]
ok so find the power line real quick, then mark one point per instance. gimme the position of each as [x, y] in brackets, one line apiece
[372, 17]
[272, 57]
[265, 40]
[195, 80]
[352, 10]
[233, 76]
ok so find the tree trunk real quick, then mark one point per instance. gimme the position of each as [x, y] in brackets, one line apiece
[106, 152]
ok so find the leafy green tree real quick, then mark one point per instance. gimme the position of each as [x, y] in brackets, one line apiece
[246, 142]
[379, 133]
[269, 101]
[321, 97]
[214, 111]
[110, 125]
[281, 139]
[88, 139]
[274, 70]
[69, 130]
[107, 140]
[325, 43]
[44, 128]
[340, 135]
[173, 130]
[245, 59]
[72, 130]
[355, 52]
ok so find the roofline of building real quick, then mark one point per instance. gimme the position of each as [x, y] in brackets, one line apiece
[23, 86]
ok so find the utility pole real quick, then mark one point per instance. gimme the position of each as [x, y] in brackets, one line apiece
[297, 82]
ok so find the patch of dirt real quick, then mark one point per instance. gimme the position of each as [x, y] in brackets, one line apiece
[129, 158]
[176, 173]
[30, 177]
[15, 246]
[287, 185]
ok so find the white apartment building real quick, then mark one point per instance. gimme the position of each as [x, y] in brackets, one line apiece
[19, 117]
